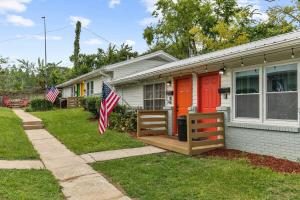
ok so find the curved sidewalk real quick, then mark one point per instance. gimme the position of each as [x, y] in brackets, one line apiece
[78, 179]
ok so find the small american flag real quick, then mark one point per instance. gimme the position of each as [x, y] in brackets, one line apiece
[52, 94]
[108, 102]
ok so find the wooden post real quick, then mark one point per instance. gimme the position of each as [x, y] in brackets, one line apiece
[138, 126]
[189, 134]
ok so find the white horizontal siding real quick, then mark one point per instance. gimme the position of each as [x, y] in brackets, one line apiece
[131, 94]
[66, 92]
[226, 81]
[137, 67]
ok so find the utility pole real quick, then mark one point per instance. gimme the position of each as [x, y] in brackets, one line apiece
[45, 37]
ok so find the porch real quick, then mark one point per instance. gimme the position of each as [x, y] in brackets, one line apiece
[205, 132]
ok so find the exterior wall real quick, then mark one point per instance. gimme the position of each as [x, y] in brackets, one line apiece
[278, 140]
[97, 84]
[67, 92]
[131, 94]
[137, 67]
[274, 143]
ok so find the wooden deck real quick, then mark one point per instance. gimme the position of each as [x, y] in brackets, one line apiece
[172, 144]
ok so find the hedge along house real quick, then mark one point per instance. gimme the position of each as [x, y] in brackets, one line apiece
[90, 84]
[255, 85]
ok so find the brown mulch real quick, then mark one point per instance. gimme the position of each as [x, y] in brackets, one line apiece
[276, 164]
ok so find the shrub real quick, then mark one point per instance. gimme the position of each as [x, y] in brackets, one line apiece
[92, 104]
[40, 104]
[123, 119]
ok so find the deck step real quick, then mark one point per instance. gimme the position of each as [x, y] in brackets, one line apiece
[32, 127]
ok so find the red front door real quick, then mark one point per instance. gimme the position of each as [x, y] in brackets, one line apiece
[183, 98]
[209, 97]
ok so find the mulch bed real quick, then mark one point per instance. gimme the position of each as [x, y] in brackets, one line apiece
[276, 164]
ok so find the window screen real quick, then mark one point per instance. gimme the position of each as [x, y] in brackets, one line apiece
[247, 94]
[154, 96]
[88, 89]
[282, 95]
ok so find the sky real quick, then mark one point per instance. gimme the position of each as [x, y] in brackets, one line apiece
[103, 21]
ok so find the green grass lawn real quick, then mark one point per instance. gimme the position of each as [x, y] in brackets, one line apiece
[78, 133]
[14, 144]
[174, 176]
[28, 184]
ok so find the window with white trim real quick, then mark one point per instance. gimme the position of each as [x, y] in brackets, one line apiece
[272, 93]
[281, 92]
[90, 88]
[247, 94]
[154, 96]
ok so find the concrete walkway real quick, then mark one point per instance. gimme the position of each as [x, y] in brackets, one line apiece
[122, 153]
[78, 179]
[21, 164]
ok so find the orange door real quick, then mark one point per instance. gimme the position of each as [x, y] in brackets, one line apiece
[183, 99]
[209, 97]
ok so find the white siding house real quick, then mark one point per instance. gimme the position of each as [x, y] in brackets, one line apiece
[256, 85]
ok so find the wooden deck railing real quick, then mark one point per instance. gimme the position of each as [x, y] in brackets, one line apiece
[74, 102]
[154, 122]
[204, 129]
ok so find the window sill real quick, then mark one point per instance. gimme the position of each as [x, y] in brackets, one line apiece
[293, 129]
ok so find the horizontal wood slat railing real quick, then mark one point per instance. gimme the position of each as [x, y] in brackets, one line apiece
[154, 122]
[204, 129]
[74, 102]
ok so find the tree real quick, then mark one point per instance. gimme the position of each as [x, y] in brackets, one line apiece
[75, 57]
[176, 29]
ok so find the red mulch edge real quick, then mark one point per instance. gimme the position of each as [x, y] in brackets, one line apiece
[276, 164]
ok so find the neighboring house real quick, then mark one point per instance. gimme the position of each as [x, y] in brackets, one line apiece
[256, 85]
[90, 84]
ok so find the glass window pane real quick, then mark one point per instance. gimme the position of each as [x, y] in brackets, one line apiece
[159, 104]
[148, 92]
[247, 82]
[160, 90]
[88, 89]
[282, 78]
[148, 104]
[282, 106]
[247, 106]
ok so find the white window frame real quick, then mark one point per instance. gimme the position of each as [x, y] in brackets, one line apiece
[279, 121]
[153, 86]
[247, 119]
[89, 91]
[263, 92]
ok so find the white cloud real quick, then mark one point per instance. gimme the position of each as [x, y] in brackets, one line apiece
[149, 4]
[19, 20]
[129, 42]
[113, 3]
[13, 5]
[148, 21]
[256, 5]
[39, 37]
[85, 22]
[93, 41]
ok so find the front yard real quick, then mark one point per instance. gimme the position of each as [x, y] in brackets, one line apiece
[74, 128]
[14, 144]
[29, 184]
[174, 176]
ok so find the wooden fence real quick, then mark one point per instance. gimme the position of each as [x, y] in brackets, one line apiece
[74, 102]
[154, 122]
[204, 129]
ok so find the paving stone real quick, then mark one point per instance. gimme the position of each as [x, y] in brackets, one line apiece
[63, 162]
[38, 134]
[123, 153]
[72, 171]
[26, 117]
[88, 158]
[21, 164]
[89, 188]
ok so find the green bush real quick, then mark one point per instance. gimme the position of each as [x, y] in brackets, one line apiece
[92, 104]
[40, 104]
[123, 119]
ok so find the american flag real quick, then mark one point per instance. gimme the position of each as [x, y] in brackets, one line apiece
[108, 102]
[52, 94]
